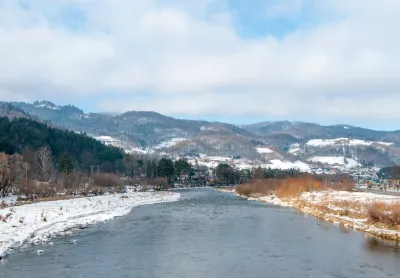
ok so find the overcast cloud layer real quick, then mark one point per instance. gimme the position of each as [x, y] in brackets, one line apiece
[331, 59]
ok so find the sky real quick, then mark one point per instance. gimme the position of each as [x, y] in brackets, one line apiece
[324, 61]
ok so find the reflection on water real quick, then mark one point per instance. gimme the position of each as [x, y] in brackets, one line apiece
[378, 245]
[210, 234]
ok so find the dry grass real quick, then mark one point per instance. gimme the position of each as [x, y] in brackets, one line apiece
[106, 180]
[384, 213]
[157, 183]
[290, 187]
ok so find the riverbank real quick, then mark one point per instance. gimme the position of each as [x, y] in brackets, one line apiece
[39, 222]
[349, 209]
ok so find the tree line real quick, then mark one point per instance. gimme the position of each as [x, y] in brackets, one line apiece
[32, 152]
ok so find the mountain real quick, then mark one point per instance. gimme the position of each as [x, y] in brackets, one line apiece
[308, 140]
[143, 131]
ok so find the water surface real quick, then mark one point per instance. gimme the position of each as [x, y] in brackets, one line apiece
[209, 234]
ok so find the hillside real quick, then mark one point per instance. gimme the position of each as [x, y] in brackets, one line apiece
[308, 140]
[11, 111]
[143, 132]
[22, 135]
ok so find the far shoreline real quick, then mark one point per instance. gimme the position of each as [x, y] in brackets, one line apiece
[307, 205]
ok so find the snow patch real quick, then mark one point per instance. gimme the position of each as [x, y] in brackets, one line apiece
[138, 150]
[285, 165]
[170, 143]
[264, 150]
[343, 141]
[336, 160]
[294, 149]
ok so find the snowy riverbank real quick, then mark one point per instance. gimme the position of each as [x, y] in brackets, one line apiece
[39, 222]
[348, 209]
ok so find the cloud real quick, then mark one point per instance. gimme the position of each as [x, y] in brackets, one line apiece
[190, 60]
[283, 8]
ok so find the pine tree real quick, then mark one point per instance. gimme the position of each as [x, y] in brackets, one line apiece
[66, 163]
[165, 168]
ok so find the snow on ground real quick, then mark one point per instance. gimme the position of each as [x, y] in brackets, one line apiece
[8, 200]
[219, 158]
[170, 143]
[106, 139]
[346, 208]
[245, 166]
[335, 160]
[138, 150]
[39, 222]
[284, 165]
[361, 197]
[264, 150]
[294, 149]
[48, 107]
[207, 128]
[343, 141]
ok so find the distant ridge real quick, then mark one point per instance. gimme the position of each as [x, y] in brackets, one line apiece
[138, 129]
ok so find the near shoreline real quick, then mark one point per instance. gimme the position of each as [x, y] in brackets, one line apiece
[38, 223]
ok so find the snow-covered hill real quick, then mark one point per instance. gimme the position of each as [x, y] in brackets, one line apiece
[146, 131]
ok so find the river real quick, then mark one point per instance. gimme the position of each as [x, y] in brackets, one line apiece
[209, 234]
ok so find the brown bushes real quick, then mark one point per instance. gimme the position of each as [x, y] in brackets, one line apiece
[384, 213]
[289, 187]
[106, 180]
[157, 184]
[257, 187]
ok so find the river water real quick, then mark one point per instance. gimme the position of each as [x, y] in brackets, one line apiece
[209, 234]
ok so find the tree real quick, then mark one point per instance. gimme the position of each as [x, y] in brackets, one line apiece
[259, 173]
[87, 160]
[165, 168]
[66, 163]
[106, 167]
[129, 165]
[12, 170]
[182, 167]
[44, 162]
[225, 174]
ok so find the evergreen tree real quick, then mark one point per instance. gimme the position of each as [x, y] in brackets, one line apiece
[165, 168]
[66, 163]
[225, 174]
[182, 167]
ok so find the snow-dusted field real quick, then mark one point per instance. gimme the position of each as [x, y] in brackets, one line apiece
[344, 141]
[336, 160]
[264, 150]
[39, 222]
[285, 165]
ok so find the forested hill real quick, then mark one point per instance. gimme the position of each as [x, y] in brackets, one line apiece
[20, 135]
[11, 111]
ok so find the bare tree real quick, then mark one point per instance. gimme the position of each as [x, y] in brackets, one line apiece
[44, 164]
[4, 175]
[12, 171]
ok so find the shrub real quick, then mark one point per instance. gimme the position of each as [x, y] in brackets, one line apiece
[384, 213]
[157, 184]
[28, 187]
[291, 186]
[106, 180]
